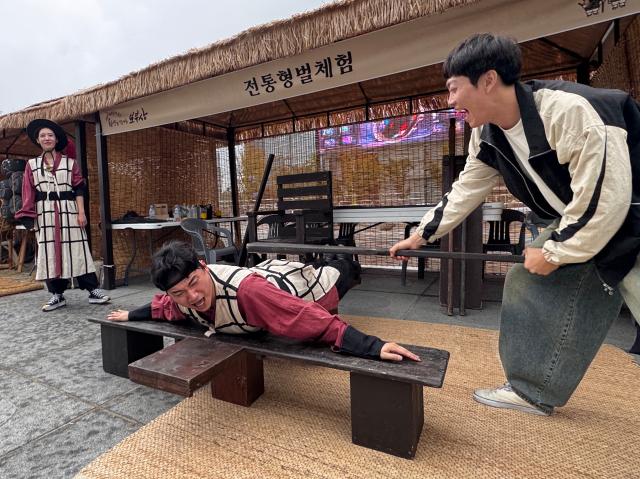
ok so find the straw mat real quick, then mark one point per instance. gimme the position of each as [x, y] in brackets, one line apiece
[300, 427]
[12, 282]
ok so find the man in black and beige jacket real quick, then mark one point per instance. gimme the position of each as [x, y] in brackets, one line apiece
[571, 153]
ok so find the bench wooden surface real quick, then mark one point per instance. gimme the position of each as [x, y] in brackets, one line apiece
[429, 372]
[387, 410]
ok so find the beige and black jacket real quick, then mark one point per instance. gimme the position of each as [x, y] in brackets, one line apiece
[585, 146]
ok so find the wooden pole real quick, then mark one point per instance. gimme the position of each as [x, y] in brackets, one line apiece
[233, 176]
[452, 152]
[81, 158]
[108, 274]
[303, 249]
[242, 259]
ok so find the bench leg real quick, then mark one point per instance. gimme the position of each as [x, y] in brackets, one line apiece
[121, 347]
[421, 262]
[241, 382]
[386, 415]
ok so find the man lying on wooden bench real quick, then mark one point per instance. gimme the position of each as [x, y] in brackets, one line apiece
[286, 298]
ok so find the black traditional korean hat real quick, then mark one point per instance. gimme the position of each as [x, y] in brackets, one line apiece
[34, 127]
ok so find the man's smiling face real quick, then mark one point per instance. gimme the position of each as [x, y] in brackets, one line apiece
[469, 99]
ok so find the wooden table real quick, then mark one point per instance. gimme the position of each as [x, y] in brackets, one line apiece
[390, 214]
[158, 226]
[350, 217]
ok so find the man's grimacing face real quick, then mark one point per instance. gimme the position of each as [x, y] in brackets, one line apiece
[196, 291]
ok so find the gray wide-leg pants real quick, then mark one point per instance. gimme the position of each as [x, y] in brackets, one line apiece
[552, 327]
[630, 290]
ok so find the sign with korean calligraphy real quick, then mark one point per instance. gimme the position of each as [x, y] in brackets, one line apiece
[117, 118]
[302, 74]
[421, 42]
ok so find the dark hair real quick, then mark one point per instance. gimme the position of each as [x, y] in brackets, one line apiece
[172, 263]
[483, 52]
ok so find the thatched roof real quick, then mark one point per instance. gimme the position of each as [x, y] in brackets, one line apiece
[328, 24]
[424, 86]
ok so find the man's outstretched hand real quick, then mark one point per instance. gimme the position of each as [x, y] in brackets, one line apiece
[118, 315]
[395, 352]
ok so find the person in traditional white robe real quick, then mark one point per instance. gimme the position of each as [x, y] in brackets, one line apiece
[53, 206]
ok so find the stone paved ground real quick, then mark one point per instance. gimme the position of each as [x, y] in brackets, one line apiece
[59, 410]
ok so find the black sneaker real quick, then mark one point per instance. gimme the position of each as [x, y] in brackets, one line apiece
[97, 296]
[56, 301]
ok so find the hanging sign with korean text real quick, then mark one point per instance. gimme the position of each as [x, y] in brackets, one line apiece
[421, 42]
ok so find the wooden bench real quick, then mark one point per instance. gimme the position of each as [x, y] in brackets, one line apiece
[387, 412]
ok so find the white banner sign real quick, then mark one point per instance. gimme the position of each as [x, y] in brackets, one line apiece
[421, 42]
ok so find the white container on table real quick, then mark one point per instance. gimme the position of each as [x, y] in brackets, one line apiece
[492, 211]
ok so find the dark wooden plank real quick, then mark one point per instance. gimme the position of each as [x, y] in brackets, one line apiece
[386, 415]
[169, 329]
[304, 205]
[303, 191]
[304, 177]
[184, 366]
[429, 372]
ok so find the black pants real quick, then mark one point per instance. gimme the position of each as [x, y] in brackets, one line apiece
[87, 281]
[349, 274]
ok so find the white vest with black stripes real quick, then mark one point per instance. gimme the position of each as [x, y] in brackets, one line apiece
[301, 280]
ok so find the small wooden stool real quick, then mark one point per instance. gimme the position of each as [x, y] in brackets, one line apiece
[27, 236]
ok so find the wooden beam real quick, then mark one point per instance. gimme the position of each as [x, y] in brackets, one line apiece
[295, 248]
[562, 49]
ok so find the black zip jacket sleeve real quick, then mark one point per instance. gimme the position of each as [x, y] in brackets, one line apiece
[141, 313]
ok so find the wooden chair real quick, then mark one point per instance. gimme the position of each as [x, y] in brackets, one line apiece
[198, 230]
[304, 214]
[421, 261]
[534, 224]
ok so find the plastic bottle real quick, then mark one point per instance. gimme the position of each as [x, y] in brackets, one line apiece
[152, 211]
[177, 213]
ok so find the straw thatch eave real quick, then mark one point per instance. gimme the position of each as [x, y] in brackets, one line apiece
[331, 23]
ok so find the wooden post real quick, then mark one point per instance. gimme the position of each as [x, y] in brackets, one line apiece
[108, 274]
[386, 415]
[81, 158]
[473, 268]
[242, 380]
[233, 177]
[121, 347]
